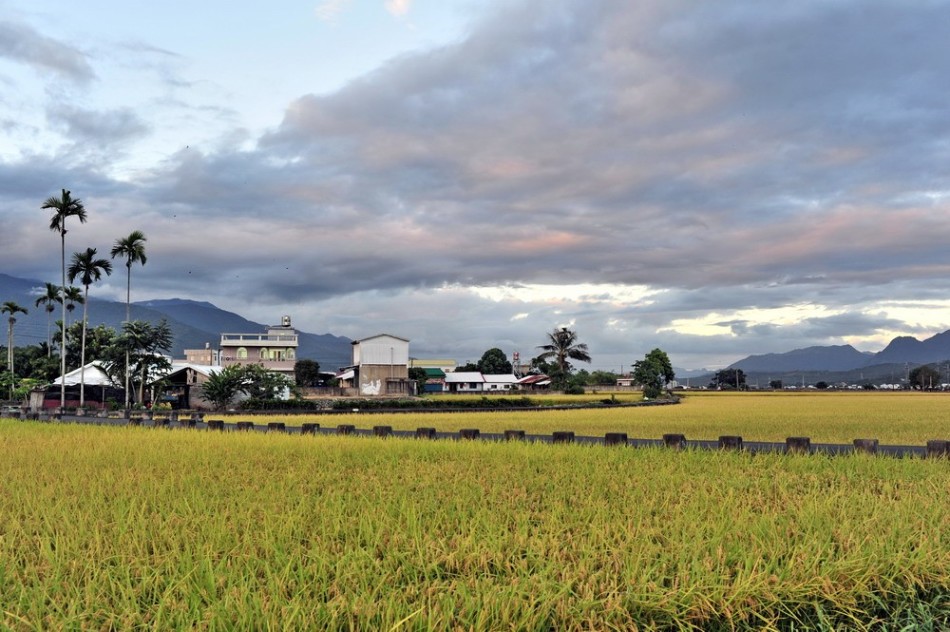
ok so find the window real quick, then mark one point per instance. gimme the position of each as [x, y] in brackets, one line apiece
[241, 353]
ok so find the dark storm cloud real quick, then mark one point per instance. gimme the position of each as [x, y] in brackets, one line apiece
[23, 44]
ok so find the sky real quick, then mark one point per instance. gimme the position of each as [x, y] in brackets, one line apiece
[716, 179]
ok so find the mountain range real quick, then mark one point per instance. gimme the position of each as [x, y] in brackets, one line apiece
[193, 323]
[196, 323]
[843, 358]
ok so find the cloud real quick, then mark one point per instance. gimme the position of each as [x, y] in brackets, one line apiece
[23, 44]
[329, 10]
[398, 8]
[110, 127]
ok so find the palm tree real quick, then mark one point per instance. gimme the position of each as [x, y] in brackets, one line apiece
[63, 207]
[12, 309]
[89, 270]
[563, 345]
[132, 248]
[73, 297]
[53, 295]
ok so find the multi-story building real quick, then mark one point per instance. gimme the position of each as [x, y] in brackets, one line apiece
[276, 349]
[380, 367]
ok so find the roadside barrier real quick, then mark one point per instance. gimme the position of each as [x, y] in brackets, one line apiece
[934, 448]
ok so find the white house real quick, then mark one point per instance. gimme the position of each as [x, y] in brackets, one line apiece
[464, 382]
[494, 383]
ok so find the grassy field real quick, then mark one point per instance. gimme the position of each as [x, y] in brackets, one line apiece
[894, 418]
[118, 528]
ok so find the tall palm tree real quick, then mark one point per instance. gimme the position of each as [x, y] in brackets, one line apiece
[562, 344]
[63, 207]
[12, 309]
[132, 248]
[73, 297]
[52, 296]
[89, 270]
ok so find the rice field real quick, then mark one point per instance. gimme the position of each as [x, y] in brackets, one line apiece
[118, 528]
[904, 418]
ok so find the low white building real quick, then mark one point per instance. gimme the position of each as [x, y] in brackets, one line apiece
[475, 382]
[500, 382]
[464, 382]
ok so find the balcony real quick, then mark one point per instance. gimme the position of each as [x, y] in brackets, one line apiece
[258, 340]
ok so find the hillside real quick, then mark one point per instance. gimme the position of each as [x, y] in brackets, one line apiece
[193, 323]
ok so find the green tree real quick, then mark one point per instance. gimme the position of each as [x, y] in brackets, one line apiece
[924, 378]
[653, 372]
[494, 362]
[541, 365]
[602, 378]
[468, 367]
[418, 375]
[223, 386]
[775, 385]
[307, 372]
[253, 380]
[63, 208]
[12, 309]
[261, 383]
[144, 343]
[73, 297]
[35, 362]
[53, 294]
[88, 269]
[730, 378]
[132, 249]
[99, 343]
[562, 344]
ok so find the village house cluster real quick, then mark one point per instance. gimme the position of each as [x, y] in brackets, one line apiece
[380, 367]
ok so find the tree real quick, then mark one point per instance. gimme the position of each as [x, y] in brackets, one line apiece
[100, 341]
[775, 385]
[469, 367]
[653, 372]
[89, 270]
[924, 378]
[419, 376]
[494, 362]
[64, 207]
[223, 386]
[734, 378]
[53, 295]
[253, 380]
[562, 344]
[73, 297]
[132, 248]
[144, 342]
[261, 383]
[821, 385]
[541, 366]
[602, 378]
[307, 373]
[11, 308]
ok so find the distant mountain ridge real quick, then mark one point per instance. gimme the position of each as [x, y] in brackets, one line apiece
[193, 323]
[842, 358]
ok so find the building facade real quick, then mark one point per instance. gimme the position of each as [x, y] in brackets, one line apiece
[381, 366]
[275, 349]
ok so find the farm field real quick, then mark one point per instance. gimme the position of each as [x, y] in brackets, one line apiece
[905, 418]
[115, 527]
